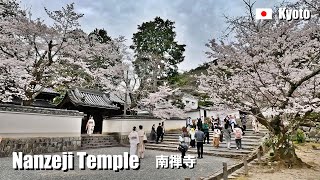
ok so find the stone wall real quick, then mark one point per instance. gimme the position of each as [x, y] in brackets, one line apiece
[38, 145]
[24, 121]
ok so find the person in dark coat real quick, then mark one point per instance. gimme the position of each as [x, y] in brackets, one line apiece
[199, 123]
[153, 134]
[163, 131]
[159, 132]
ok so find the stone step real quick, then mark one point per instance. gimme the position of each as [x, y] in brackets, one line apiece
[233, 145]
[207, 149]
[249, 143]
[210, 131]
[211, 134]
[219, 154]
[170, 139]
[251, 138]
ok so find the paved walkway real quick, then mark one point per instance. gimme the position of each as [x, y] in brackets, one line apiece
[204, 167]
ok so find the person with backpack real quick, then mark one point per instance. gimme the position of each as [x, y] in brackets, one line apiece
[216, 137]
[185, 135]
[183, 148]
[238, 136]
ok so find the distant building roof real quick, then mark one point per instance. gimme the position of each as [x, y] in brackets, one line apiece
[87, 97]
[119, 97]
[46, 90]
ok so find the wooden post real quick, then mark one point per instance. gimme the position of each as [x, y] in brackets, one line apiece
[225, 171]
[245, 164]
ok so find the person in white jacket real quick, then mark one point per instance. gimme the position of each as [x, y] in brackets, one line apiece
[134, 141]
[90, 126]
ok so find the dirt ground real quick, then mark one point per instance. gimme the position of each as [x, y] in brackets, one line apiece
[306, 152]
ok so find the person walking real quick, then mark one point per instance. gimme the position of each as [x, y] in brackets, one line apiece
[153, 134]
[163, 131]
[188, 122]
[199, 123]
[199, 135]
[134, 141]
[227, 135]
[183, 148]
[192, 137]
[216, 137]
[255, 125]
[185, 135]
[205, 128]
[159, 132]
[233, 122]
[227, 120]
[238, 136]
[244, 121]
[194, 124]
[141, 145]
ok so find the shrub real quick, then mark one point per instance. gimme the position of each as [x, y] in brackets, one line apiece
[300, 136]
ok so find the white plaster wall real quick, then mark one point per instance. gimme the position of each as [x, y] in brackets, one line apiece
[124, 126]
[17, 124]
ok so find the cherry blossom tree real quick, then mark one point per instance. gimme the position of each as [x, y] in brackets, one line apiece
[34, 53]
[269, 65]
[160, 104]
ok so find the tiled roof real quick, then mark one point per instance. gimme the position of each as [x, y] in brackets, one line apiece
[45, 90]
[119, 97]
[90, 98]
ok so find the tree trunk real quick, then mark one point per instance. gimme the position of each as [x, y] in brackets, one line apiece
[284, 150]
[125, 107]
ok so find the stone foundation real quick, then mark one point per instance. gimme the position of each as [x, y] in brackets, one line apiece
[39, 145]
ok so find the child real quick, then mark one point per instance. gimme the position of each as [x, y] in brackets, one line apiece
[238, 136]
[216, 137]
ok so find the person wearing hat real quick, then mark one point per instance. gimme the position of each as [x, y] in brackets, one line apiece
[134, 141]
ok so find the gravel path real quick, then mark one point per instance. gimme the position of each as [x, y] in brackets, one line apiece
[204, 167]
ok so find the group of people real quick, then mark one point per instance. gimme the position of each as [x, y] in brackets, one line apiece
[137, 141]
[157, 135]
[197, 132]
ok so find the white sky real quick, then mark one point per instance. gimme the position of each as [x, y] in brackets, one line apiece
[196, 21]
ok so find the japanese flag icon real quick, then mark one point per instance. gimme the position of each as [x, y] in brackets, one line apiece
[263, 13]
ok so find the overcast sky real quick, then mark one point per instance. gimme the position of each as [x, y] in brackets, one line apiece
[196, 21]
